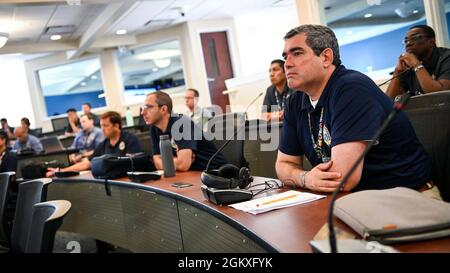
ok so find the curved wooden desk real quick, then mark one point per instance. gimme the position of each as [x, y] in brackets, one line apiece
[156, 217]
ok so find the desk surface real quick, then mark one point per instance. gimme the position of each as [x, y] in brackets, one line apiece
[288, 229]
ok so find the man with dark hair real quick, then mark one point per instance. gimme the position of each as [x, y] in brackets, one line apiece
[423, 68]
[87, 139]
[117, 142]
[277, 93]
[8, 160]
[333, 116]
[198, 115]
[192, 151]
[74, 122]
[86, 107]
[7, 129]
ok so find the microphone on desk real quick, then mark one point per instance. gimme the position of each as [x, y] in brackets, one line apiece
[220, 186]
[393, 77]
[355, 245]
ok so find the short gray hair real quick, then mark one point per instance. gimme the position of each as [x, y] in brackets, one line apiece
[318, 38]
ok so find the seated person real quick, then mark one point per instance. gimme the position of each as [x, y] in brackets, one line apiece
[198, 115]
[7, 129]
[189, 153]
[277, 93]
[26, 142]
[8, 160]
[87, 139]
[74, 123]
[86, 107]
[332, 118]
[25, 122]
[116, 142]
[423, 68]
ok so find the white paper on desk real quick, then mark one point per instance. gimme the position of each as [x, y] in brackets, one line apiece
[277, 201]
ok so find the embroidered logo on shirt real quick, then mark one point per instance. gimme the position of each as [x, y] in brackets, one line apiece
[122, 146]
[326, 136]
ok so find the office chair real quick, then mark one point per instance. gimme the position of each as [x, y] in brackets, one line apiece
[46, 219]
[6, 181]
[29, 194]
[146, 142]
[227, 120]
[430, 117]
[37, 132]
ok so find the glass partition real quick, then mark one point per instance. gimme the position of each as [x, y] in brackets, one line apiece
[150, 68]
[70, 85]
[371, 36]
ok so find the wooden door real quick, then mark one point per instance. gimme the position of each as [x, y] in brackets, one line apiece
[218, 65]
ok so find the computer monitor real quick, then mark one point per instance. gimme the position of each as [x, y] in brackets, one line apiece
[60, 124]
[51, 144]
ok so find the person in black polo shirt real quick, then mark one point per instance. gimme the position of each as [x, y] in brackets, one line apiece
[117, 142]
[277, 93]
[8, 160]
[424, 67]
[74, 122]
[191, 150]
[86, 107]
[332, 118]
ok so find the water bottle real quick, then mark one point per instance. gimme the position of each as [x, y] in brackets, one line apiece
[166, 154]
[129, 117]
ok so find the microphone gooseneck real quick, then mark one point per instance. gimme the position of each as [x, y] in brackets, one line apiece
[398, 106]
[234, 135]
[396, 76]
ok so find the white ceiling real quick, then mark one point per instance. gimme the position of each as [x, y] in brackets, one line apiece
[92, 22]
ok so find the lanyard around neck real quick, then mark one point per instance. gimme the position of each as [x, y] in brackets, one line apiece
[281, 105]
[318, 145]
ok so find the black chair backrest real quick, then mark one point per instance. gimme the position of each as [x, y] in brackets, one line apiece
[29, 194]
[430, 117]
[51, 144]
[233, 152]
[60, 123]
[228, 120]
[37, 132]
[47, 217]
[6, 180]
[146, 142]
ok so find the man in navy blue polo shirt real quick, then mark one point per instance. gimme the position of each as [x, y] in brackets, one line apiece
[116, 142]
[191, 150]
[332, 118]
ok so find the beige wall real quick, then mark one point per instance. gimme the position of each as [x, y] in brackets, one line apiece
[193, 66]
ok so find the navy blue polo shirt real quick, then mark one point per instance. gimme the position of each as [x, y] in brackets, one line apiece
[192, 138]
[354, 108]
[127, 144]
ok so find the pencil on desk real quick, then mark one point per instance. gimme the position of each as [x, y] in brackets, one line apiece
[276, 200]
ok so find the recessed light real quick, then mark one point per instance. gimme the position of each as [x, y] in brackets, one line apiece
[121, 32]
[154, 69]
[367, 15]
[55, 37]
[415, 11]
[93, 77]
[83, 84]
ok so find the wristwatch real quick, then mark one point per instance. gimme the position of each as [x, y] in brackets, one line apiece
[417, 68]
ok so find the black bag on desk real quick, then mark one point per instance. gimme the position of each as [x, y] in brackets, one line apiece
[38, 170]
[113, 166]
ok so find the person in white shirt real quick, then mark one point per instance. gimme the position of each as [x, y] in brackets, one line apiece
[198, 115]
